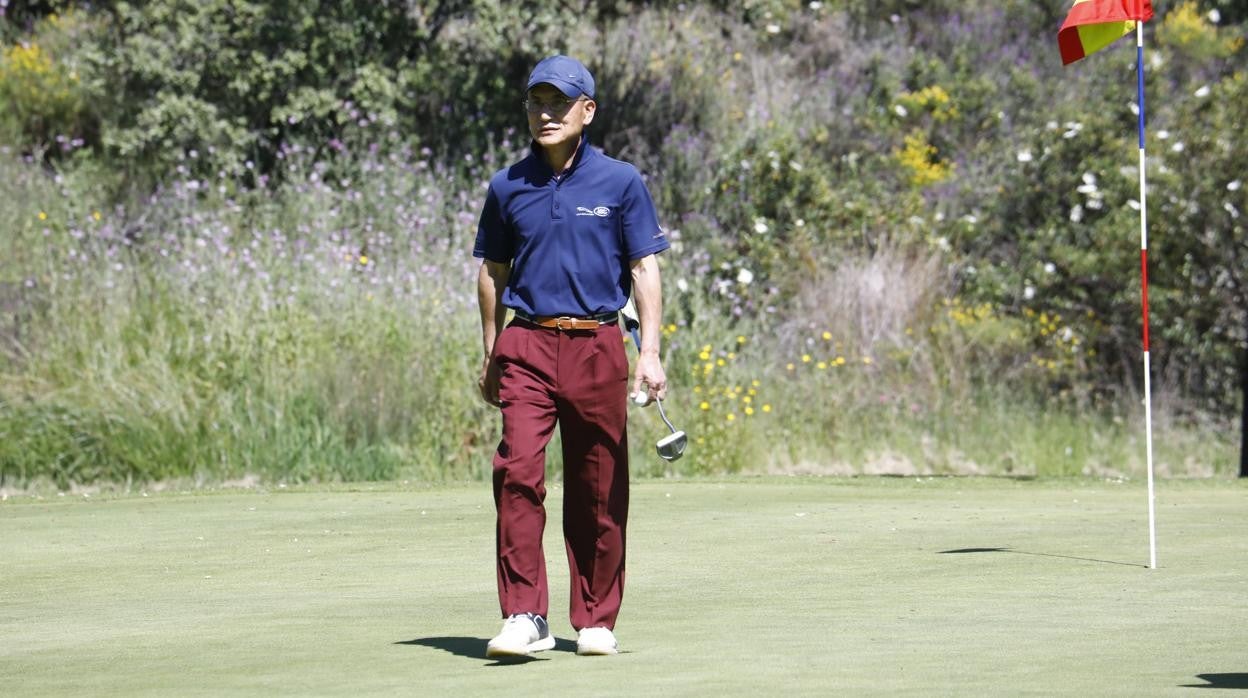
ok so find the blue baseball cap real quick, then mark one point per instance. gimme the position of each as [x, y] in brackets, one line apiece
[565, 73]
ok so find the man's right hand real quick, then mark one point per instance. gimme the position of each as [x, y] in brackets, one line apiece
[488, 382]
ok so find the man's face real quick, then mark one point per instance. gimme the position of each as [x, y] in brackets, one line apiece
[554, 119]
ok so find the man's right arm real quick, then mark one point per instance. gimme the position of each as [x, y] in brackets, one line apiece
[491, 281]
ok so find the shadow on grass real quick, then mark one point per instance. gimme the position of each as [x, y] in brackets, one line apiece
[963, 551]
[474, 648]
[1239, 681]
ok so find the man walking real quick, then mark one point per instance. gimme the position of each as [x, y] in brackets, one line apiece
[565, 235]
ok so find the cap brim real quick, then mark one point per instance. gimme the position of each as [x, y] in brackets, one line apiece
[567, 88]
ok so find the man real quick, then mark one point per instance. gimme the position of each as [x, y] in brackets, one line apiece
[565, 235]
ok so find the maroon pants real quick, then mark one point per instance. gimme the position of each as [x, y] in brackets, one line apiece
[578, 379]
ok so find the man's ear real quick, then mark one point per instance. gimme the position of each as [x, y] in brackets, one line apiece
[591, 108]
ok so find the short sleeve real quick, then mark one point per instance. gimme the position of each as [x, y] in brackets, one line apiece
[494, 239]
[642, 233]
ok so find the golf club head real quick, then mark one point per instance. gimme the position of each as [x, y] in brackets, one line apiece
[672, 446]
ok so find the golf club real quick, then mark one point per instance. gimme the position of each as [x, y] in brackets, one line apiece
[672, 446]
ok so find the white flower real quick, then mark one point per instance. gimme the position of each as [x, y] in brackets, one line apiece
[773, 28]
[1133, 204]
[1178, 147]
[1089, 178]
[815, 5]
[1234, 186]
[1052, 125]
[1049, 267]
[795, 165]
[745, 164]
[1163, 134]
[970, 219]
[1203, 91]
[799, 223]
[745, 276]
[760, 226]
[1214, 16]
[1135, 108]
[1076, 214]
[1086, 189]
[1095, 203]
[1230, 208]
[900, 110]
[1029, 292]
[1024, 156]
[682, 285]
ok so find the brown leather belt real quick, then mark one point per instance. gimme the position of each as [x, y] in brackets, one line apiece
[567, 322]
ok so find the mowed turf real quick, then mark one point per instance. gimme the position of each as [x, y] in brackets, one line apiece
[742, 587]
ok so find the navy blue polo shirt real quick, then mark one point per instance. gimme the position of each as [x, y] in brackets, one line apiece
[570, 238]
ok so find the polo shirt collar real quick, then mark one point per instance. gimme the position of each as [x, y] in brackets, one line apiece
[582, 152]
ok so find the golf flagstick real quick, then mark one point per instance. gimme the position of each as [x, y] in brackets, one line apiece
[1090, 27]
[1148, 388]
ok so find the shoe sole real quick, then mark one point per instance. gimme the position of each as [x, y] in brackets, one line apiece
[596, 651]
[545, 643]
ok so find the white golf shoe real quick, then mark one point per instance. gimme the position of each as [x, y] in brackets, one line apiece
[521, 635]
[596, 641]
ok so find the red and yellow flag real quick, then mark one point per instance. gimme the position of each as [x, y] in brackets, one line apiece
[1094, 24]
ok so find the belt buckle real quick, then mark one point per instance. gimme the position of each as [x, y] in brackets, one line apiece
[559, 323]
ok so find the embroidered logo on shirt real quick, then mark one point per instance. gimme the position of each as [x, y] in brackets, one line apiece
[600, 211]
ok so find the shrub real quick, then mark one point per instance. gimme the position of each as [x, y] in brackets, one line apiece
[43, 101]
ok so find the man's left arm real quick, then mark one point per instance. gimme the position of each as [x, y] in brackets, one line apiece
[648, 297]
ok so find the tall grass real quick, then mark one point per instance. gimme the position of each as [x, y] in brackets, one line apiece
[327, 330]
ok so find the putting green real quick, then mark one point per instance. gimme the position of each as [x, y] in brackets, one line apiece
[741, 587]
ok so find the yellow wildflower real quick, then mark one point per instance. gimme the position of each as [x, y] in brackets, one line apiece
[43, 216]
[805, 358]
[821, 365]
[749, 411]
[704, 406]
[827, 336]
[766, 408]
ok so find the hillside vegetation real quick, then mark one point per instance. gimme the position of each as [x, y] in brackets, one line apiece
[237, 234]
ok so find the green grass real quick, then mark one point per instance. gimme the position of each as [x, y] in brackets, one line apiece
[737, 587]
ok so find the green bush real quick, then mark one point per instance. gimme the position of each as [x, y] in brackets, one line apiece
[44, 104]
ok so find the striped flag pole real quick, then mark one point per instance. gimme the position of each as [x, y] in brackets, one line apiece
[1148, 391]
